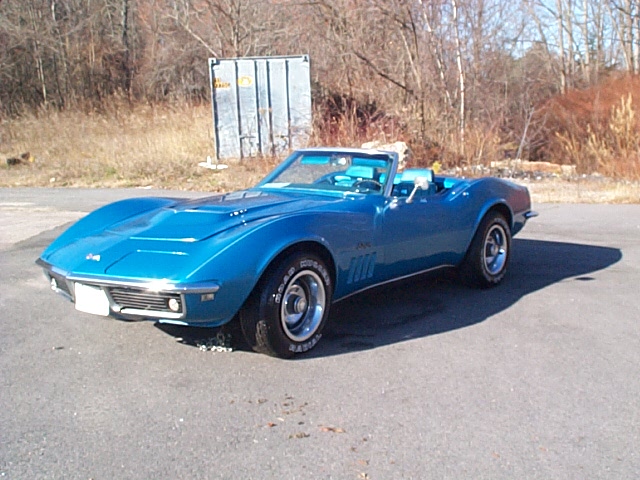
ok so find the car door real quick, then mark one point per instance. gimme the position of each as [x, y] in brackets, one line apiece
[430, 231]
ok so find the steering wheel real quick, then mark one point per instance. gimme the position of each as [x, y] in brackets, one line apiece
[323, 181]
[328, 179]
[368, 183]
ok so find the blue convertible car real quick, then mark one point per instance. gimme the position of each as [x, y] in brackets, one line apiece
[325, 224]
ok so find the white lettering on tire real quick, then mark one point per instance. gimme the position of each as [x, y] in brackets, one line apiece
[303, 347]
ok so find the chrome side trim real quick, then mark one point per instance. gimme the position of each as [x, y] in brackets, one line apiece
[530, 214]
[172, 322]
[151, 313]
[356, 292]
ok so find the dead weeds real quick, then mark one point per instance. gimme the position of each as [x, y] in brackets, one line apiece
[160, 147]
[582, 190]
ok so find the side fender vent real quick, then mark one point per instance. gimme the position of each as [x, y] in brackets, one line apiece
[361, 267]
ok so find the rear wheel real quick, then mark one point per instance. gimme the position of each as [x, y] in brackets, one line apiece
[288, 309]
[485, 264]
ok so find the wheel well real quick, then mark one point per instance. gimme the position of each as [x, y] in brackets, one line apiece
[503, 210]
[308, 247]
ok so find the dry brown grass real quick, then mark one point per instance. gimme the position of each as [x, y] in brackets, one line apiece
[123, 147]
[582, 190]
[161, 147]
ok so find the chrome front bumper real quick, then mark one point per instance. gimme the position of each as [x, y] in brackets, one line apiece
[153, 299]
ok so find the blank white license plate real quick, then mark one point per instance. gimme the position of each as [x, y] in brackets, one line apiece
[91, 300]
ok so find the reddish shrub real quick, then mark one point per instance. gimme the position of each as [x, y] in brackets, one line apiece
[580, 113]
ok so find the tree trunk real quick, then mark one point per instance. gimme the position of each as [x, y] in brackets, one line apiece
[461, 83]
[562, 53]
[37, 55]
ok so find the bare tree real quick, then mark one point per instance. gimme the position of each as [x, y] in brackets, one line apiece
[462, 74]
[625, 16]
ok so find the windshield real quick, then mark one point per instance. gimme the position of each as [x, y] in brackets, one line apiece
[348, 172]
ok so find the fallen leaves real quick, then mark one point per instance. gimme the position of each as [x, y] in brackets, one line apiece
[332, 429]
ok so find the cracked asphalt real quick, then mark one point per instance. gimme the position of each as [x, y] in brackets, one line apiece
[538, 378]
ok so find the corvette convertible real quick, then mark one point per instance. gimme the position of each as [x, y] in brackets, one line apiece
[327, 223]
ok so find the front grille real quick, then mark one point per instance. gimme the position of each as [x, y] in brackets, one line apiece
[131, 298]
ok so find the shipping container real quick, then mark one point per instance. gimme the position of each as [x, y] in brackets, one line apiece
[261, 105]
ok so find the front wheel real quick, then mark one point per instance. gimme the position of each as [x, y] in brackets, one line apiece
[485, 264]
[289, 307]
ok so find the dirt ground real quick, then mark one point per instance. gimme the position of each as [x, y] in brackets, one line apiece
[582, 190]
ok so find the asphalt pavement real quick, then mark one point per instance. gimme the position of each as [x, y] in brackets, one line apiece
[538, 378]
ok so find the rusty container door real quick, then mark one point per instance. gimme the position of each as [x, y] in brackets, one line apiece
[261, 105]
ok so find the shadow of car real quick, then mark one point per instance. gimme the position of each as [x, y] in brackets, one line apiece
[432, 304]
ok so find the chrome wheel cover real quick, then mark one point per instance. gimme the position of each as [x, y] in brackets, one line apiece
[494, 253]
[303, 305]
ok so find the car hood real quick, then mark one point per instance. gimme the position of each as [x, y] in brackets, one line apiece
[195, 220]
[167, 242]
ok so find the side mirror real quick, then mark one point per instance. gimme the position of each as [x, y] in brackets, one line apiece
[421, 183]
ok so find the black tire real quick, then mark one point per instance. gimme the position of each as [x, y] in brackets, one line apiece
[288, 309]
[486, 261]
